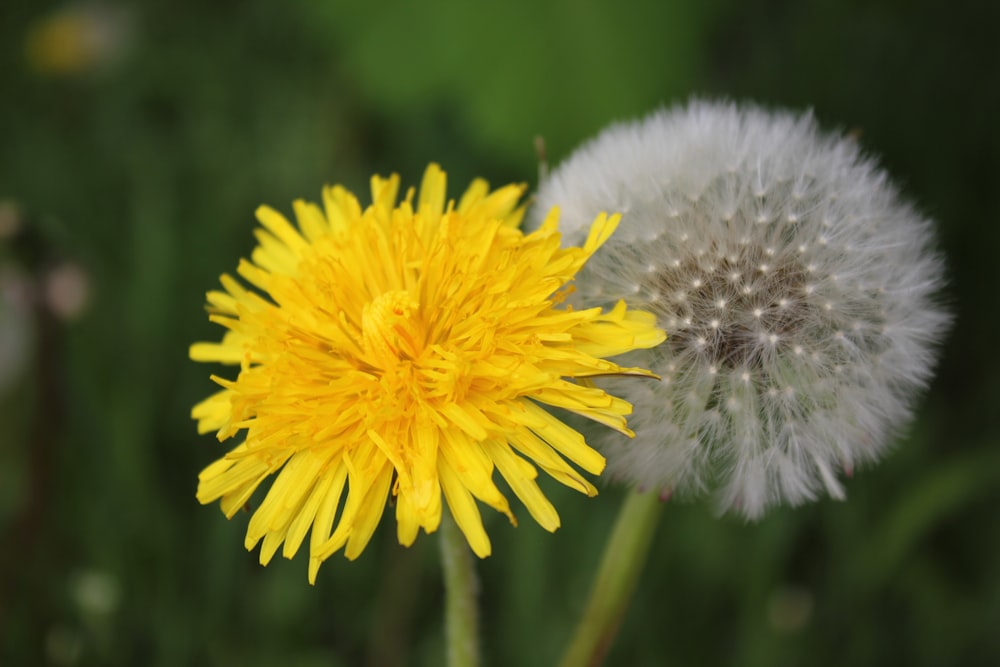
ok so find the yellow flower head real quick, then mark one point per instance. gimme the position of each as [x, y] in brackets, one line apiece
[406, 349]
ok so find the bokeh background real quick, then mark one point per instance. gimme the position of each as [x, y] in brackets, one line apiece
[136, 139]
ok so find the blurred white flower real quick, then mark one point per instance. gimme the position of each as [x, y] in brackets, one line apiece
[67, 290]
[17, 326]
[96, 593]
[796, 287]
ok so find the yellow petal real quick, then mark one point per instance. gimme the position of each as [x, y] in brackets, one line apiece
[369, 513]
[464, 511]
[511, 467]
[430, 203]
[282, 229]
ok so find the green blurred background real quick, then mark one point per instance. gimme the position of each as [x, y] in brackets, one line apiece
[136, 139]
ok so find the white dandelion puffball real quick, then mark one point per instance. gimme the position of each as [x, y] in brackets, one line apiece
[797, 290]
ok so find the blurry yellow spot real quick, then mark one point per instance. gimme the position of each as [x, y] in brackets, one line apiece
[75, 40]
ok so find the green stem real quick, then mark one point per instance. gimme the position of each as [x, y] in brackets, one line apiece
[460, 589]
[622, 562]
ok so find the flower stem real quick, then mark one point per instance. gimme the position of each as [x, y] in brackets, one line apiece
[461, 590]
[622, 562]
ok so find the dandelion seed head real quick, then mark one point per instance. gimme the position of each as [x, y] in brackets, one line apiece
[808, 369]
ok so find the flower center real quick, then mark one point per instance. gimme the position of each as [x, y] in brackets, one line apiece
[729, 307]
[391, 329]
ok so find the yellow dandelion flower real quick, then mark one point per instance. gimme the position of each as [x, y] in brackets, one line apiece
[406, 349]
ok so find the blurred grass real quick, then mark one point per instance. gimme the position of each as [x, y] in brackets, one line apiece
[145, 163]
